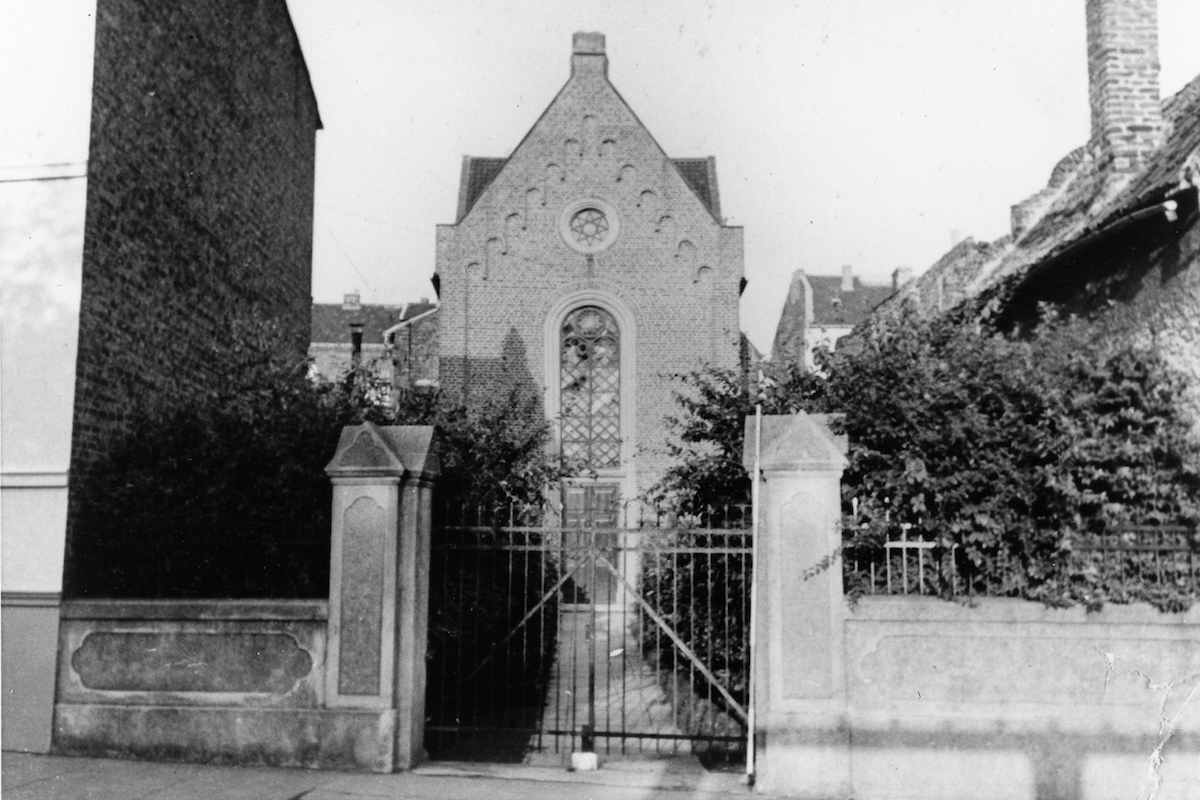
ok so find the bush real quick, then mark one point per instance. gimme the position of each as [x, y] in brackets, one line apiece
[219, 493]
[1003, 452]
[222, 493]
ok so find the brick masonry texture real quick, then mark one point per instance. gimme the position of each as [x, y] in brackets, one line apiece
[504, 268]
[199, 201]
[1123, 82]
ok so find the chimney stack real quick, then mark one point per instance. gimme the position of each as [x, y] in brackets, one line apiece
[587, 55]
[356, 334]
[847, 278]
[1123, 84]
[901, 276]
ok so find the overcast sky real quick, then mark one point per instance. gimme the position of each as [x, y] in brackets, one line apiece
[862, 132]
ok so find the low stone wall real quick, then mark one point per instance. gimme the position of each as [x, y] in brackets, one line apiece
[906, 697]
[1012, 699]
[205, 681]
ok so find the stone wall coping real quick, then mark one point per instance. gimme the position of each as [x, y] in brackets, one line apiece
[286, 610]
[31, 599]
[915, 608]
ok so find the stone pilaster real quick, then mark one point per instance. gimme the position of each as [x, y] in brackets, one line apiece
[800, 694]
[378, 595]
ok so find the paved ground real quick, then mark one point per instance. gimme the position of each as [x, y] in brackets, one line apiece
[629, 695]
[36, 777]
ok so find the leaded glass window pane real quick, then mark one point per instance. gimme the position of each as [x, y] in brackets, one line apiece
[591, 388]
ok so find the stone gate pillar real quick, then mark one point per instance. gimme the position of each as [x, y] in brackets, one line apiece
[378, 597]
[800, 695]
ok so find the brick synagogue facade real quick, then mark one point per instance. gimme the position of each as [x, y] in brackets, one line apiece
[590, 267]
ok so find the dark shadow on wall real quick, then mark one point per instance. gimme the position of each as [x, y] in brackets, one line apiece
[476, 380]
[199, 207]
[1128, 268]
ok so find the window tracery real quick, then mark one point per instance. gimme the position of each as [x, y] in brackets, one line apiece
[590, 388]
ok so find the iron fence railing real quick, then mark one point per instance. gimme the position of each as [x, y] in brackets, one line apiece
[1140, 562]
[1119, 564]
[550, 638]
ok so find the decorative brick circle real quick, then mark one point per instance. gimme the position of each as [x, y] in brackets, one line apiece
[589, 225]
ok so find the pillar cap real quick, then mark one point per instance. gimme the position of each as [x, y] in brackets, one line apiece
[800, 442]
[371, 450]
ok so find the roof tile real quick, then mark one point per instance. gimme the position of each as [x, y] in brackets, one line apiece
[331, 321]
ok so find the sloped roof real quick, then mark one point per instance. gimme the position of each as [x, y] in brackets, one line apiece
[832, 306]
[1171, 163]
[478, 174]
[701, 175]
[331, 321]
[1080, 205]
[947, 283]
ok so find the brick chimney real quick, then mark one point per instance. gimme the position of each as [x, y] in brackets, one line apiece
[847, 278]
[1123, 84]
[587, 55]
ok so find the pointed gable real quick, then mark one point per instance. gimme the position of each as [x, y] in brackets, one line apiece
[606, 118]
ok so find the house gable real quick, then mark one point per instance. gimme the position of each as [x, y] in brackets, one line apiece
[588, 140]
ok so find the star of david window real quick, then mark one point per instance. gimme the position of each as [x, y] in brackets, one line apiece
[589, 226]
[590, 389]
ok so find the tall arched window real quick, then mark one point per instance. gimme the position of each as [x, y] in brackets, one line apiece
[590, 376]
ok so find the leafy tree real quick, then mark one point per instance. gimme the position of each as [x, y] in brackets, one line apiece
[707, 477]
[1004, 452]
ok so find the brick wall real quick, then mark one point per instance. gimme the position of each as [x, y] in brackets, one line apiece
[1123, 82]
[199, 200]
[508, 274]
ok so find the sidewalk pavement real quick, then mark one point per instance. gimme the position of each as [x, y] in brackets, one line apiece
[41, 777]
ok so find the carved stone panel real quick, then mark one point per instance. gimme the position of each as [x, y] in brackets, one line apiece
[271, 663]
[362, 598]
[806, 638]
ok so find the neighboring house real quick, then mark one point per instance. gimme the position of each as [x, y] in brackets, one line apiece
[194, 209]
[1115, 235]
[821, 309]
[399, 342]
[587, 267]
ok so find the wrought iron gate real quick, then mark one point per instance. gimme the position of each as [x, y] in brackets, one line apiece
[612, 639]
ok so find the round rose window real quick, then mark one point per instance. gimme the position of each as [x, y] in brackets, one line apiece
[589, 226]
